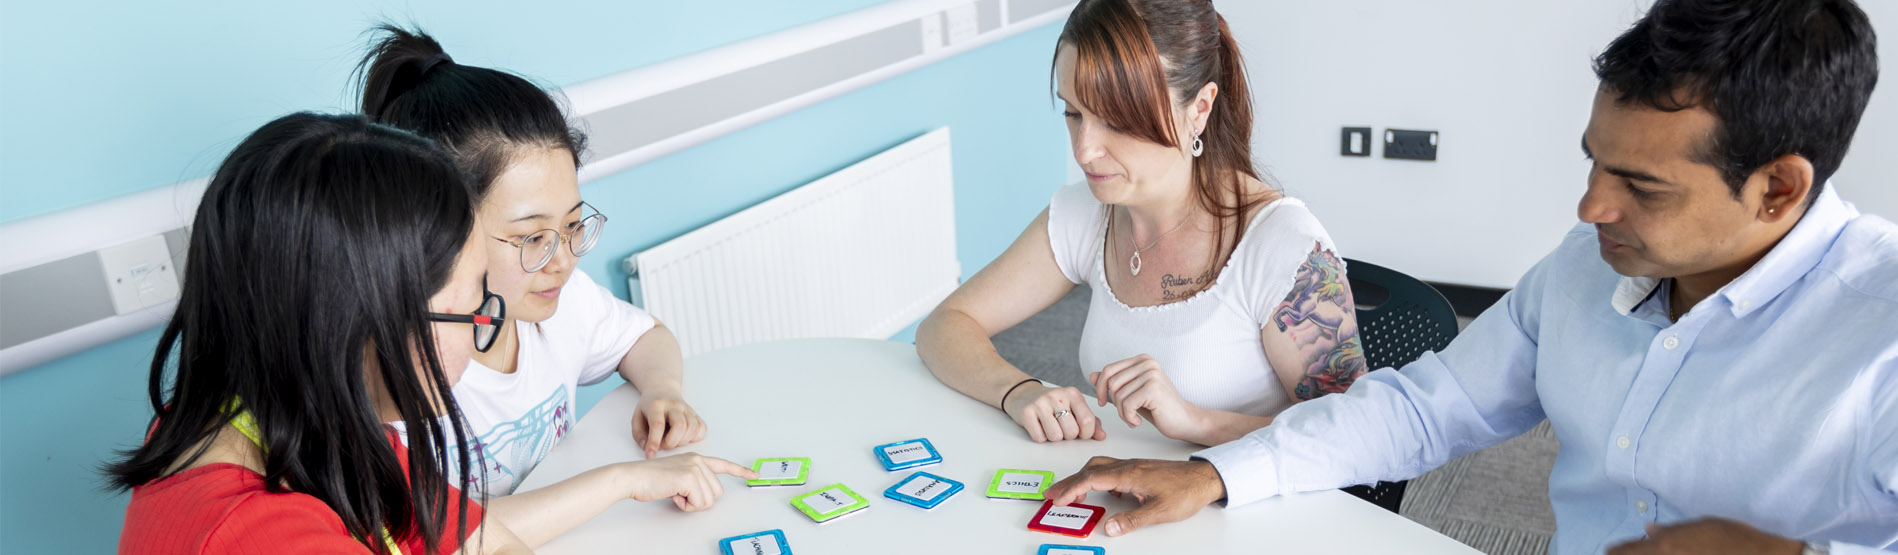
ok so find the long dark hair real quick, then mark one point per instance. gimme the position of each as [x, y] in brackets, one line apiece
[1123, 52]
[481, 115]
[321, 238]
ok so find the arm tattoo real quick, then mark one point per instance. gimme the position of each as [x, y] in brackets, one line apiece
[1314, 315]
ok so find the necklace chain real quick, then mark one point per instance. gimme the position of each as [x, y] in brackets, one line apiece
[1133, 262]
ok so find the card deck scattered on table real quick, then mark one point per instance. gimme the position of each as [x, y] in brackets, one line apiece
[1052, 549]
[781, 472]
[924, 490]
[829, 503]
[907, 454]
[769, 542]
[1010, 483]
[1073, 520]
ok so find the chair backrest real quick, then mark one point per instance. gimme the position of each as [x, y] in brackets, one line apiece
[1399, 317]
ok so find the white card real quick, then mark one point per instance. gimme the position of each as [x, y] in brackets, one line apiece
[780, 470]
[1059, 551]
[923, 488]
[757, 545]
[907, 452]
[1070, 518]
[1020, 483]
[828, 501]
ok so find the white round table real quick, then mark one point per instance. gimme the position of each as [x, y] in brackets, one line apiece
[832, 400]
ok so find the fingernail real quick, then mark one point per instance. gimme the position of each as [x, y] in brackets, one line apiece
[1113, 527]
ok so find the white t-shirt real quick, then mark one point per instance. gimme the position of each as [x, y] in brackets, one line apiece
[516, 418]
[1209, 343]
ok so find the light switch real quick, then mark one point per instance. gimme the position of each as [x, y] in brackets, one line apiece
[1356, 141]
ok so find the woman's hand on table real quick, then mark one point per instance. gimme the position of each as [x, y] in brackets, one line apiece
[1139, 388]
[665, 421]
[1052, 413]
[690, 479]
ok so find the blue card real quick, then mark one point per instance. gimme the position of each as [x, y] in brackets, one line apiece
[1052, 549]
[924, 490]
[769, 542]
[907, 454]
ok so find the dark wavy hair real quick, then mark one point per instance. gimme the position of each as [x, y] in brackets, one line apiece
[481, 115]
[1782, 77]
[319, 239]
[1129, 53]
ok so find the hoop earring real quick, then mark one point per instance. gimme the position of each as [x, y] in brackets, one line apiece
[1198, 147]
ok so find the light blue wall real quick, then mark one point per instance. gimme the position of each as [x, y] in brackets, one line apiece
[99, 101]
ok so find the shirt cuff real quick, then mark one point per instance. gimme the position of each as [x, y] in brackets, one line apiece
[1842, 548]
[1246, 467]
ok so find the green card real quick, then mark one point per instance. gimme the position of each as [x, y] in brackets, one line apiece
[1010, 483]
[781, 472]
[828, 503]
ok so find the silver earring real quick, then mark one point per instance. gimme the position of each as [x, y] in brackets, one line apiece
[1198, 147]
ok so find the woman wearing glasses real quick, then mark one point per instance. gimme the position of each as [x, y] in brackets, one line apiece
[331, 284]
[563, 331]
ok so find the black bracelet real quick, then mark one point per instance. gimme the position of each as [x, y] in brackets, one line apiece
[1004, 404]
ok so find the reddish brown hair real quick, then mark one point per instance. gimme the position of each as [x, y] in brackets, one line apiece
[1123, 49]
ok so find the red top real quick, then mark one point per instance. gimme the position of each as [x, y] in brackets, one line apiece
[223, 508]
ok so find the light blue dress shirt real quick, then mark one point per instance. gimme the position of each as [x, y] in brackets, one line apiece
[1773, 402]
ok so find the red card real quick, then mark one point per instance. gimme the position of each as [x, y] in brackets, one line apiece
[1073, 520]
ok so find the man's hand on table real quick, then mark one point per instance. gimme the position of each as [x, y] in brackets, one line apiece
[1168, 491]
[1708, 536]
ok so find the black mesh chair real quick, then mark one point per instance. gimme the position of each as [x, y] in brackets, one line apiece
[1399, 318]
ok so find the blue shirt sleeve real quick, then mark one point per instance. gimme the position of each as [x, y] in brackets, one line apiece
[1394, 425]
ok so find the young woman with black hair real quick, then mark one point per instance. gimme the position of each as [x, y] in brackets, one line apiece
[565, 330]
[330, 289]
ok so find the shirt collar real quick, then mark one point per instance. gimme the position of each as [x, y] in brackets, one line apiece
[1795, 255]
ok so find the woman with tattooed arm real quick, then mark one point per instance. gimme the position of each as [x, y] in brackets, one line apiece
[1218, 301]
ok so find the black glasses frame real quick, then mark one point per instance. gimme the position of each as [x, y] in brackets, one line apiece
[484, 320]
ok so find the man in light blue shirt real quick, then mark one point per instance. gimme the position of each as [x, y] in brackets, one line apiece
[1716, 346]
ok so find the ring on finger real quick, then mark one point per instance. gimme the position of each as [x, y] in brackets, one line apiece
[1061, 413]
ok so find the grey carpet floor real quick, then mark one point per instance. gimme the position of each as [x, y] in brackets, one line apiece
[1495, 500]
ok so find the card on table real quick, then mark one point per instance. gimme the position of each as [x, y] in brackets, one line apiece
[907, 454]
[1052, 549]
[1010, 483]
[829, 503]
[781, 472]
[769, 542]
[924, 490]
[1073, 520]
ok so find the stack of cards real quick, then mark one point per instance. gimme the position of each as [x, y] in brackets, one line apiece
[1011, 483]
[769, 542]
[781, 472]
[829, 503]
[907, 454]
[924, 490]
[1073, 520]
[1052, 549]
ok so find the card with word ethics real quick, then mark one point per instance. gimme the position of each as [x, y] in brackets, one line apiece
[1010, 483]
[829, 503]
[924, 490]
[1073, 520]
[907, 454]
[1052, 549]
[769, 542]
[781, 472]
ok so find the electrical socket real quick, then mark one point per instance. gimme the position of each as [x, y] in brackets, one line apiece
[963, 23]
[1407, 144]
[139, 274]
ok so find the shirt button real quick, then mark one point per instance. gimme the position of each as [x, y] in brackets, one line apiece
[1671, 342]
[1641, 506]
[1622, 442]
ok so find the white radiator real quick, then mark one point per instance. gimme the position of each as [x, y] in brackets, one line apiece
[863, 252]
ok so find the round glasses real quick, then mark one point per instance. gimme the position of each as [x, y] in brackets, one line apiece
[537, 248]
[487, 320]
